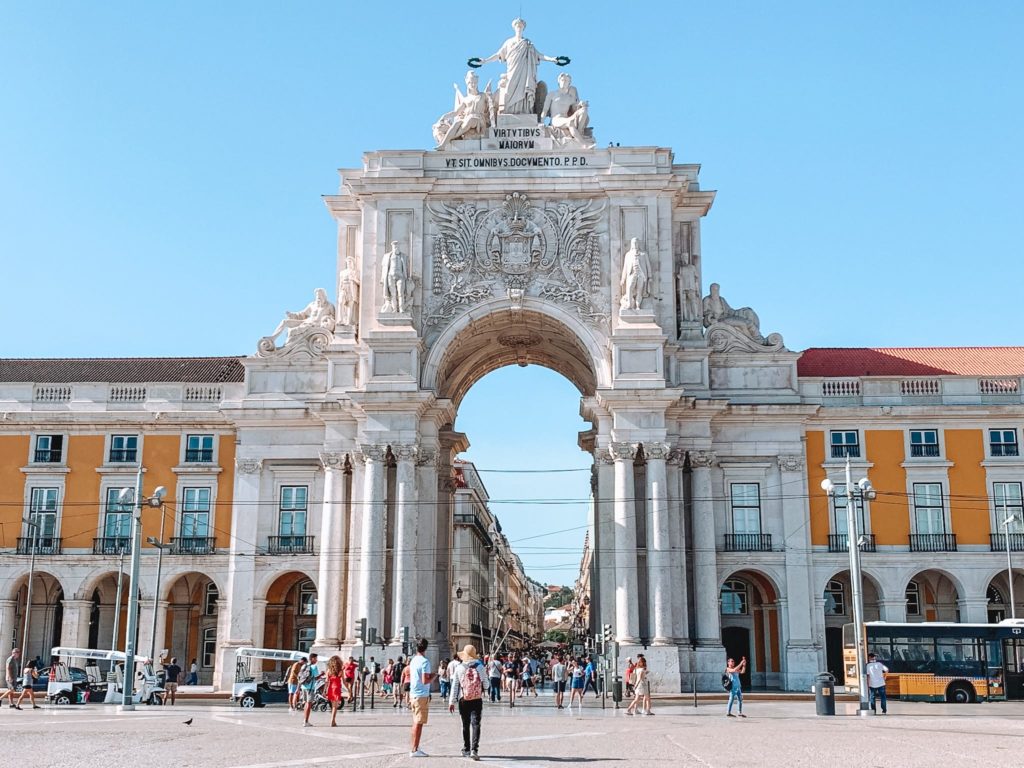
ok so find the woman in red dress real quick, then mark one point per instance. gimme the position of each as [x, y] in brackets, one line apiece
[334, 686]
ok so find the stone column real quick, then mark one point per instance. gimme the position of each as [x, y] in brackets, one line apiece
[331, 575]
[627, 617]
[604, 538]
[372, 543]
[7, 622]
[161, 629]
[895, 611]
[406, 527]
[353, 562]
[973, 610]
[677, 540]
[74, 629]
[659, 553]
[235, 623]
[424, 616]
[705, 547]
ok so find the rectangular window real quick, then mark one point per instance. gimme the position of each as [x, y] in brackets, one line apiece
[124, 448]
[43, 512]
[924, 442]
[195, 513]
[928, 510]
[292, 520]
[1009, 503]
[746, 507]
[1003, 442]
[209, 646]
[845, 444]
[839, 516]
[199, 449]
[49, 449]
[305, 639]
[117, 517]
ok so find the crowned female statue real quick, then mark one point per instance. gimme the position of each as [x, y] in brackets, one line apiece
[521, 58]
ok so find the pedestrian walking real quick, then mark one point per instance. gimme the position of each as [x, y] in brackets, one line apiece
[444, 676]
[388, 678]
[12, 669]
[406, 686]
[350, 677]
[629, 676]
[334, 687]
[558, 675]
[590, 675]
[396, 679]
[576, 676]
[171, 674]
[29, 675]
[875, 672]
[734, 670]
[193, 673]
[468, 694]
[292, 679]
[494, 677]
[308, 677]
[421, 676]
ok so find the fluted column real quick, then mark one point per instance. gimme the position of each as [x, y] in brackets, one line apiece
[371, 573]
[406, 527]
[627, 617]
[677, 538]
[659, 551]
[424, 620]
[330, 584]
[705, 561]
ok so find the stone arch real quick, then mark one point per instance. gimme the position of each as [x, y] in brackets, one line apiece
[998, 580]
[290, 617]
[17, 584]
[192, 619]
[170, 579]
[940, 592]
[837, 611]
[870, 577]
[491, 336]
[96, 579]
[755, 631]
[46, 615]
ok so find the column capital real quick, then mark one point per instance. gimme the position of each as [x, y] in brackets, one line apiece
[703, 459]
[333, 459]
[792, 463]
[248, 466]
[66, 603]
[369, 452]
[407, 452]
[426, 457]
[676, 457]
[622, 451]
[657, 451]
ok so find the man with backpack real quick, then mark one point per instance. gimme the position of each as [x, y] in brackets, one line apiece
[468, 685]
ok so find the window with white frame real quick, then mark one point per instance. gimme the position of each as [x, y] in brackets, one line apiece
[49, 449]
[124, 449]
[845, 443]
[735, 598]
[210, 597]
[304, 639]
[292, 511]
[839, 515]
[195, 513]
[929, 516]
[117, 514]
[209, 654]
[42, 511]
[1003, 442]
[924, 443]
[835, 598]
[199, 449]
[1009, 506]
[307, 598]
[746, 507]
[913, 596]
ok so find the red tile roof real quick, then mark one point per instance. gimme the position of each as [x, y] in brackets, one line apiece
[911, 361]
[123, 370]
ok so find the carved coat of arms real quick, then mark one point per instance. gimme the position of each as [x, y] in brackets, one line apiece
[516, 249]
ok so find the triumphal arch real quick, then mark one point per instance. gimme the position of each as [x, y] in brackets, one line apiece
[519, 239]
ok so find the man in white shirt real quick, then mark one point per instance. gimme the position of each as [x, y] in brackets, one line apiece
[558, 672]
[875, 672]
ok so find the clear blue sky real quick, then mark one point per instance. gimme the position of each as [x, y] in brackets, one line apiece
[161, 166]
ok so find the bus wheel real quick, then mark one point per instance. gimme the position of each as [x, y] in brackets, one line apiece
[959, 693]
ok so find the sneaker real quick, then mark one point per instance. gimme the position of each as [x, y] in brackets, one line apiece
[476, 756]
[730, 714]
[418, 753]
[651, 714]
[742, 715]
[465, 753]
[307, 724]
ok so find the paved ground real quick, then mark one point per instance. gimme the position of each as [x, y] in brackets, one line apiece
[533, 734]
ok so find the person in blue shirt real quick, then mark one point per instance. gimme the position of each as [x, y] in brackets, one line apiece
[420, 678]
[734, 670]
[590, 676]
[308, 684]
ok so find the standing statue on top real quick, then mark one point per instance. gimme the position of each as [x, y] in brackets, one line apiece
[636, 274]
[395, 282]
[521, 59]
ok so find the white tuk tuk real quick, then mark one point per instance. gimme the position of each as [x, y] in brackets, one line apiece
[250, 689]
[62, 690]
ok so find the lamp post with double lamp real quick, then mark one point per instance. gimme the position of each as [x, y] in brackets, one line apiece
[1007, 519]
[138, 502]
[861, 491]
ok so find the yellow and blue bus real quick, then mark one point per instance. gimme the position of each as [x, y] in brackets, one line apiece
[944, 661]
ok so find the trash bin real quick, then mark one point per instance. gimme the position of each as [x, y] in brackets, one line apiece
[825, 694]
[617, 689]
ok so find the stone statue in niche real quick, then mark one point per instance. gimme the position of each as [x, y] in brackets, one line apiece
[636, 273]
[690, 307]
[348, 294]
[570, 116]
[470, 117]
[735, 329]
[395, 281]
[312, 325]
[521, 59]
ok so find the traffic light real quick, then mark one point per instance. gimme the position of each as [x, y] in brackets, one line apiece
[405, 641]
[371, 636]
[606, 633]
[361, 630]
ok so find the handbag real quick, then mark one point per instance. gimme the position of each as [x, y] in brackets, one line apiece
[726, 681]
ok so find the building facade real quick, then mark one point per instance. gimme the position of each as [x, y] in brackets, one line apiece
[330, 495]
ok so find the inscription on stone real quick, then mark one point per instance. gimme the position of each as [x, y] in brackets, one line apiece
[517, 161]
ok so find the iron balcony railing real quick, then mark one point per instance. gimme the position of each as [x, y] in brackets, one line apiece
[48, 455]
[44, 545]
[918, 451]
[123, 455]
[997, 542]
[199, 455]
[842, 451]
[838, 542]
[748, 542]
[111, 545]
[289, 545]
[193, 545]
[998, 449]
[933, 542]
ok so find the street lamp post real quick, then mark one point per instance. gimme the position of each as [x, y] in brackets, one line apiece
[1007, 519]
[862, 490]
[161, 546]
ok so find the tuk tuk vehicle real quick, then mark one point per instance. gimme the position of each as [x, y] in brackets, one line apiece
[62, 688]
[250, 689]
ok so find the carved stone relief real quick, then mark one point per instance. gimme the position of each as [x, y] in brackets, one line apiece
[248, 466]
[622, 451]
[518, 249]
[309, 331]
[735, 330]
[656, 450]
[703, 459]
[791, 463]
